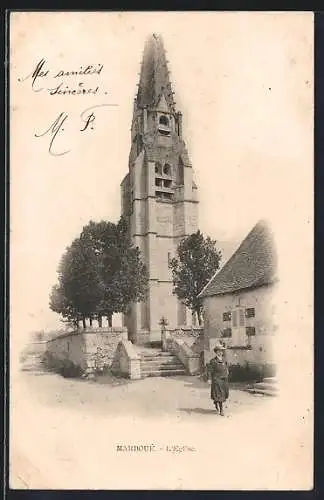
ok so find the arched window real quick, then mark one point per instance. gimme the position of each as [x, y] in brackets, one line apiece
[164, 120]
[158, 168]
[167, 169]
[164, 125]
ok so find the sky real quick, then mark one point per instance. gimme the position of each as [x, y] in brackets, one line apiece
[244, 83]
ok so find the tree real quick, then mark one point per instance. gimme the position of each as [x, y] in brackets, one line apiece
[78, 292]
[81, 279]
[197, 260]
[60, 304]
[123, 276]
[100, 274]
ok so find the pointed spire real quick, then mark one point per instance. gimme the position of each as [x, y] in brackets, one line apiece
[154, 75]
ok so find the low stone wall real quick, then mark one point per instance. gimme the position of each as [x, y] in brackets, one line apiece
[187, 344]
[189, 334]
[245, 364]
[127, 361]
[142, 337]
[186, 355]
[85, 351]
[101, 347]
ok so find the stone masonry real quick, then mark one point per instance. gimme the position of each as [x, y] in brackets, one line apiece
[159, 195]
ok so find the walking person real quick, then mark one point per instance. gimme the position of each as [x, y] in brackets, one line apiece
[217, 370]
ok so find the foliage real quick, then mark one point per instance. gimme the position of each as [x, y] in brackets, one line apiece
[196, 262]
[100, 274]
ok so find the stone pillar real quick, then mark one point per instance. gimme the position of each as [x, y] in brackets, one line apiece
[145, 120]
[134, 368]
[179, 116]
[127, 362]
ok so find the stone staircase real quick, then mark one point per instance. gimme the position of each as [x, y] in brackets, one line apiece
[156, 363]
[268, 387]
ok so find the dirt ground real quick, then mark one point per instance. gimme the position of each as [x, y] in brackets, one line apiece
[64, 433]
[183, 396]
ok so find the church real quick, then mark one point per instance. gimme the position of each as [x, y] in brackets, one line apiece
[158, 195]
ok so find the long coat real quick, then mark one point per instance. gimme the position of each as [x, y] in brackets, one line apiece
[218, 372]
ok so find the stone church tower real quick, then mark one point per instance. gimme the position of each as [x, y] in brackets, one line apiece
[158, 194]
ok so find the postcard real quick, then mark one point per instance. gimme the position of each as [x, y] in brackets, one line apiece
[161, 250]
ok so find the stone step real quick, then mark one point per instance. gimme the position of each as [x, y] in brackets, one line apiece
[159, 354]
[160, 364]
[262, 392]
[149, 367]
[155, 365]
[270, 380]
[160, 360]
[265, 386]
[163, 373]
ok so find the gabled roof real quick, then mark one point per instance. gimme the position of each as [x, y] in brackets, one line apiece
[254, 264]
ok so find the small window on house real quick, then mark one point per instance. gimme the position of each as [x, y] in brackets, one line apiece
[226, 316]
[250, 331]
[159, 194]
[250, 312]
[227, 332]
[158, 182]
[167, 196]
[167, 183]
[167, 169]
[164, 120]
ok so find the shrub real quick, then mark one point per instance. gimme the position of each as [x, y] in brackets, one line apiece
[250, 372]
[70, 370]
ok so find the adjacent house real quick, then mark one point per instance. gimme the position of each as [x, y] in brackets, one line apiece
[239, 304]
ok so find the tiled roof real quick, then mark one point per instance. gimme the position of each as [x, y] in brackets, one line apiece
[252, 265]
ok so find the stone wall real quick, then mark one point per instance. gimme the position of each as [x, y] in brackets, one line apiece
[127, 361]
[101, 346]
[186, 355]
[258, 348]
[187, 343]
[89, 351]
[66, 350]
[191, 335]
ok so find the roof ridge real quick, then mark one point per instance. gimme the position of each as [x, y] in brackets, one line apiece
[252, 264]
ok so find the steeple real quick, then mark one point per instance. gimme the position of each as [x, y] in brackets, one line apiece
[159, 196]
[156, 125]
[154, 77]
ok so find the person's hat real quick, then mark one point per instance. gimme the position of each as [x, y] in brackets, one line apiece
[219, 347]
